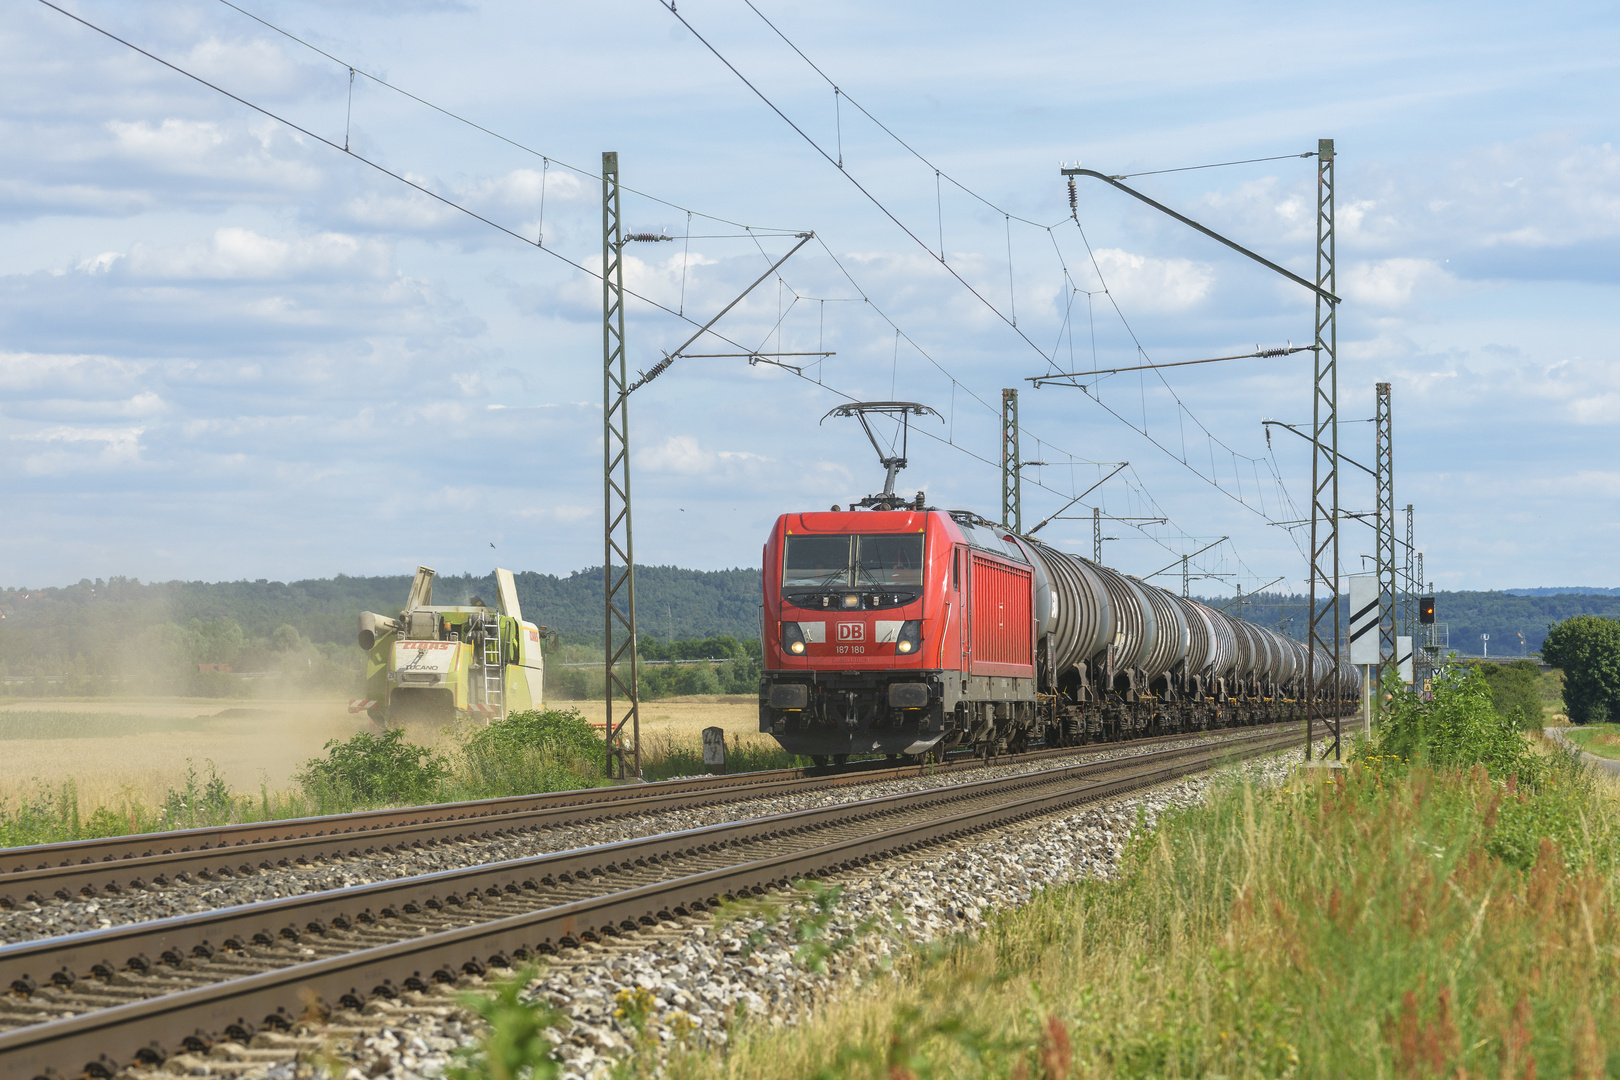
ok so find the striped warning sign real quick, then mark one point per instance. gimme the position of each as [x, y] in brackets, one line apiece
[1364, 619]
[1403, 657]
[360, 705]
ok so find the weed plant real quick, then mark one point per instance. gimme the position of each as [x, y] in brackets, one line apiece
[550, 750]
[373, 770]
[1445, 908]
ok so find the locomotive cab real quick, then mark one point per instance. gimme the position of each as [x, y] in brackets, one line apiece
[892, 632]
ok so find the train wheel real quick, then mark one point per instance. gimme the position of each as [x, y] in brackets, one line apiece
[840, 759]
[819, 760]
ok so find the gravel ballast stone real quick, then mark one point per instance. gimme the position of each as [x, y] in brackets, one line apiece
[694, 975]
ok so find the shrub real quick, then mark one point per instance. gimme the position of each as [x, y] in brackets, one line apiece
[373, 769]
[1460, 728]
[1515, 691]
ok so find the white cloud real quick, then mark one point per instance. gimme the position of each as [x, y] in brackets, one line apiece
[1143, 283]
[266, 156]
[235, 253]
[79, 449]
[683, 455]
[250, 66]
[1396, 283]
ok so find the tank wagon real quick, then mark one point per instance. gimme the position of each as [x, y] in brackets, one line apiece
[917, 630]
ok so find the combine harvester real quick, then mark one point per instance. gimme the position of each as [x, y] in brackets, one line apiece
[439, 664]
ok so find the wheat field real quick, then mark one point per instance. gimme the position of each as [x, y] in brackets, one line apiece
[119, 750]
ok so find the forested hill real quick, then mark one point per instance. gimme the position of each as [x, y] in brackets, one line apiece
[1461, 616]
[685, 603]
[101, 624]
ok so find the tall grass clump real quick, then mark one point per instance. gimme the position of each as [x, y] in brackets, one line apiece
[527, 752]
[665, 758]
[1425, 914]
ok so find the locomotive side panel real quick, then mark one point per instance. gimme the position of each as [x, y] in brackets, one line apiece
[1003, 638]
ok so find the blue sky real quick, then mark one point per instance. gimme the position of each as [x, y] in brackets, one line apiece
[230, 351]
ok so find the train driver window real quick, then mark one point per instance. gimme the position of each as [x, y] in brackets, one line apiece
[816, 562]
[885, 559]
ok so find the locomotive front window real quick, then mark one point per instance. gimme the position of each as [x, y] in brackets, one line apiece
[820, 562]
[892, 559]
[876, 560]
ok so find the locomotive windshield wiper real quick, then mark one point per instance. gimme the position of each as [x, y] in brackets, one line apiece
[863, 571]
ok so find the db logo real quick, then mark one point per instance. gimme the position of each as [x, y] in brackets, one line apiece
[851, 631]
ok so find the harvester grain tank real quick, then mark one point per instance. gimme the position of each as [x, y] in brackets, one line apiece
[440, 663]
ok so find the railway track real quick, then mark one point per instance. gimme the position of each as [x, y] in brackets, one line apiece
[95, 1001]
[119, 865]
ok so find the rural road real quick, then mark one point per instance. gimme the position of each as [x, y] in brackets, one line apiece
[1606, 764]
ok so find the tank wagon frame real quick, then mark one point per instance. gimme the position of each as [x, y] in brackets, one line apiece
[918, 631]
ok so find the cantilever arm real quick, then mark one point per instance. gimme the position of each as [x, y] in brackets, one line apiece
[1211, 233]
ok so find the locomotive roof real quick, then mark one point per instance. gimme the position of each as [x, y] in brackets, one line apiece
[974, 530]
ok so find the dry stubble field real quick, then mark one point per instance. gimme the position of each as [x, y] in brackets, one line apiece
[140, 747]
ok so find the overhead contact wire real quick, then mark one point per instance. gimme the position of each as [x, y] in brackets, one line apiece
[380, 168]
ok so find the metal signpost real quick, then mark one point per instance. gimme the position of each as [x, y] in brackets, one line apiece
[1365, 608]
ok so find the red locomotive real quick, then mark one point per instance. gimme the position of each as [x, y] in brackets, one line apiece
[905, 631]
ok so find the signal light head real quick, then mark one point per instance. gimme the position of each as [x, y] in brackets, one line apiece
[1426, 609]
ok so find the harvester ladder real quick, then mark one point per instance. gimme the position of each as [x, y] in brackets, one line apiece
[493, 667]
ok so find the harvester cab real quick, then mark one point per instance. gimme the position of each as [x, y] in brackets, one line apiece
[440, 663]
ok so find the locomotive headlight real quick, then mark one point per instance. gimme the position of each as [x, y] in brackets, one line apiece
[793, 638]
[909, 639]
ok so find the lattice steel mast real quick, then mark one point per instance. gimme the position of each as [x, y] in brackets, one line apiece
[1012, 499]
[618, 560]
[1389, 676]
[1324, 628]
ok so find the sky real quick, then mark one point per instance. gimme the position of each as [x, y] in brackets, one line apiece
[232, 345]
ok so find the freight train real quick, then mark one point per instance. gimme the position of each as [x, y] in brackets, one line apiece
[915, 631]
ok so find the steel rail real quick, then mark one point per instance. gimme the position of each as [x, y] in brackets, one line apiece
[150, 1030]
[64, 960]
[119, 864]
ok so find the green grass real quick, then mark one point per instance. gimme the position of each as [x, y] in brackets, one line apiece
[1600, 740]
[1400, 924]
[1447, 907]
